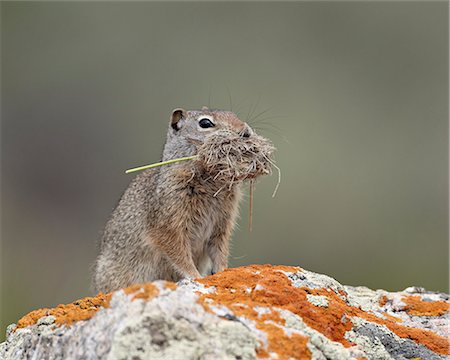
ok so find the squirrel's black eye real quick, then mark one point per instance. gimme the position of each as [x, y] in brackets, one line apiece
[205, 123]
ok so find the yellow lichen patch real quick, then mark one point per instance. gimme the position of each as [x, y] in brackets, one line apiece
[417, 307]
[82, 309]
[142, 291]
[234, 287]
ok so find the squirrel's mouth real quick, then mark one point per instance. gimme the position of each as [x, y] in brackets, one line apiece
[230, 157]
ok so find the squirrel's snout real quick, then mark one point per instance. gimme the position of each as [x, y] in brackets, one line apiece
[246, 132]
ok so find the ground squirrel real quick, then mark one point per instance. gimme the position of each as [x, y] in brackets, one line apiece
[176, 221]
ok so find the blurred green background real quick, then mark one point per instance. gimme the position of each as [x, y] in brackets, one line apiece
[356, 95]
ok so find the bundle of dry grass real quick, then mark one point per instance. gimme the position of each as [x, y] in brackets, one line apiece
[230, 157]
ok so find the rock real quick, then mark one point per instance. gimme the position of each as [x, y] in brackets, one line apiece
[257, 311]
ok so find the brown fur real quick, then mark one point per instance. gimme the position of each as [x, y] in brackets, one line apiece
[176, 221]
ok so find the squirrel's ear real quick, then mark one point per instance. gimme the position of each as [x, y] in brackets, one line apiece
[176, 116]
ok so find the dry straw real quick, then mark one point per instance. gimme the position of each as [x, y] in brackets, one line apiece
[230, 157]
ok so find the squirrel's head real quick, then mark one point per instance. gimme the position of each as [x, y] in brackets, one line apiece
[199, 124]
[226, 147]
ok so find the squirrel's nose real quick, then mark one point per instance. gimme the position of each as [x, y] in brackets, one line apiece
[246, 132]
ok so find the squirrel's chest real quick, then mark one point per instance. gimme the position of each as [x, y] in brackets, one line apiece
[208, 214]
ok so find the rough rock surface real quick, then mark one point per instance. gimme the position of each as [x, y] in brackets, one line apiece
[258, 311]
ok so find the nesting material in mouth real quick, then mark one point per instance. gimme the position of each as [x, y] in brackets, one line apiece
[229, 157]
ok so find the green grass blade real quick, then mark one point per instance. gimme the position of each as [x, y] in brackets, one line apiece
[160, 164]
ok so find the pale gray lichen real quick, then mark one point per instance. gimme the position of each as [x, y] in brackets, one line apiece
[318, 300]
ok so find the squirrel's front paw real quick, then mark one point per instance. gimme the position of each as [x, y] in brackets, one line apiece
[192, 276]
[217, 269]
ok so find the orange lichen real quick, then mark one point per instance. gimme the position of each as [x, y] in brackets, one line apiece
[417, 307]
[393, 318]
[287, 347]
[87, 307]
[142, 291]
[277, 291]
[170, 285]
[82, 309]
[243, 303]
[383, 300]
